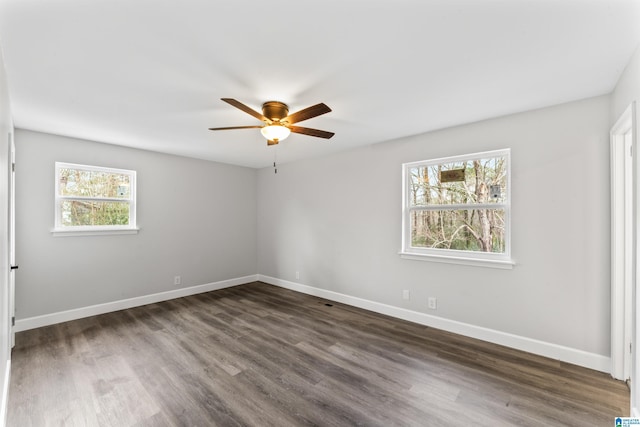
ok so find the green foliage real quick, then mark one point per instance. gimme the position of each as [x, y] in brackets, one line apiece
[84, 190]
[97, 184]
[84, 213]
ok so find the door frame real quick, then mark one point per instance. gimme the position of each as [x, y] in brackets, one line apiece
[12, 241]
[622, 244]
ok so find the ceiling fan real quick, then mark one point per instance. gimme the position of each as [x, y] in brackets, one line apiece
[278, 124]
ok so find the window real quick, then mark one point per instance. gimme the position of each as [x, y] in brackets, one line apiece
[457, 209]
[94, 200]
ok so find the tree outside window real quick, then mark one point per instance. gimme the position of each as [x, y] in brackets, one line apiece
[92, 197]
[458, 204]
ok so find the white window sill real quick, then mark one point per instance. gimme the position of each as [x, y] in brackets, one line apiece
[476, 262]
[61, 232]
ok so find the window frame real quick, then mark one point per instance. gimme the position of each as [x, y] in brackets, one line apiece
[455, 256]
[89, 230]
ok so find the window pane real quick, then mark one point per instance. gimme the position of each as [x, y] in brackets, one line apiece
[473, 181]
[88, 183]
[83, 212]
[480, 230]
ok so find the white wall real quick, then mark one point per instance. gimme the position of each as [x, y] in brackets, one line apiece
[197, 219]
[337, 221]
[6, 128]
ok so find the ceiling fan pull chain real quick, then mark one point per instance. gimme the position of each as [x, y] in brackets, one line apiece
[275, 158]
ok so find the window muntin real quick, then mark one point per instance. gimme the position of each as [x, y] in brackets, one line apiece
[458, 206]
[94, 198]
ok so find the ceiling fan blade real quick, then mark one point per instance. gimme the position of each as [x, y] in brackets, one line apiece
[307, 113]
[311, 132]
[236, 127]
[246, 109]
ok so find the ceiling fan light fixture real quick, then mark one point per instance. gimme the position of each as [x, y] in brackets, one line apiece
[275, 132]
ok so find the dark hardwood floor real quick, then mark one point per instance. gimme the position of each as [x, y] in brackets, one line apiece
[259, 355]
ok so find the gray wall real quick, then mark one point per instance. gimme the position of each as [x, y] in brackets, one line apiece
[627, 89]
[197, 219]
[337, 221]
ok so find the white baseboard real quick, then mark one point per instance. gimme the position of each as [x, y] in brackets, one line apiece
[553, 351]
[5, 394]
[93, 310]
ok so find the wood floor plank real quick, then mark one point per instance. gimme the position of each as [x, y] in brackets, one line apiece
[258, 355]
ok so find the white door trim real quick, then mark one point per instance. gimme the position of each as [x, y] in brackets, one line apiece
[12, 240]
[622, 248]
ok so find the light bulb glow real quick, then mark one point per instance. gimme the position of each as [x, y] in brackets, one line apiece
[275, 132]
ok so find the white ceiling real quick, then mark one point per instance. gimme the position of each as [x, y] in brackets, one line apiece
[150, 73]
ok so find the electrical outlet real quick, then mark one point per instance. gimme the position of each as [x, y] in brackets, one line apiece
[177, 280]
[405, 294]
[433, 303]
[297, 274]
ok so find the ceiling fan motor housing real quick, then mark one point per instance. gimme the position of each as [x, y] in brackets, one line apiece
[274, 110]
